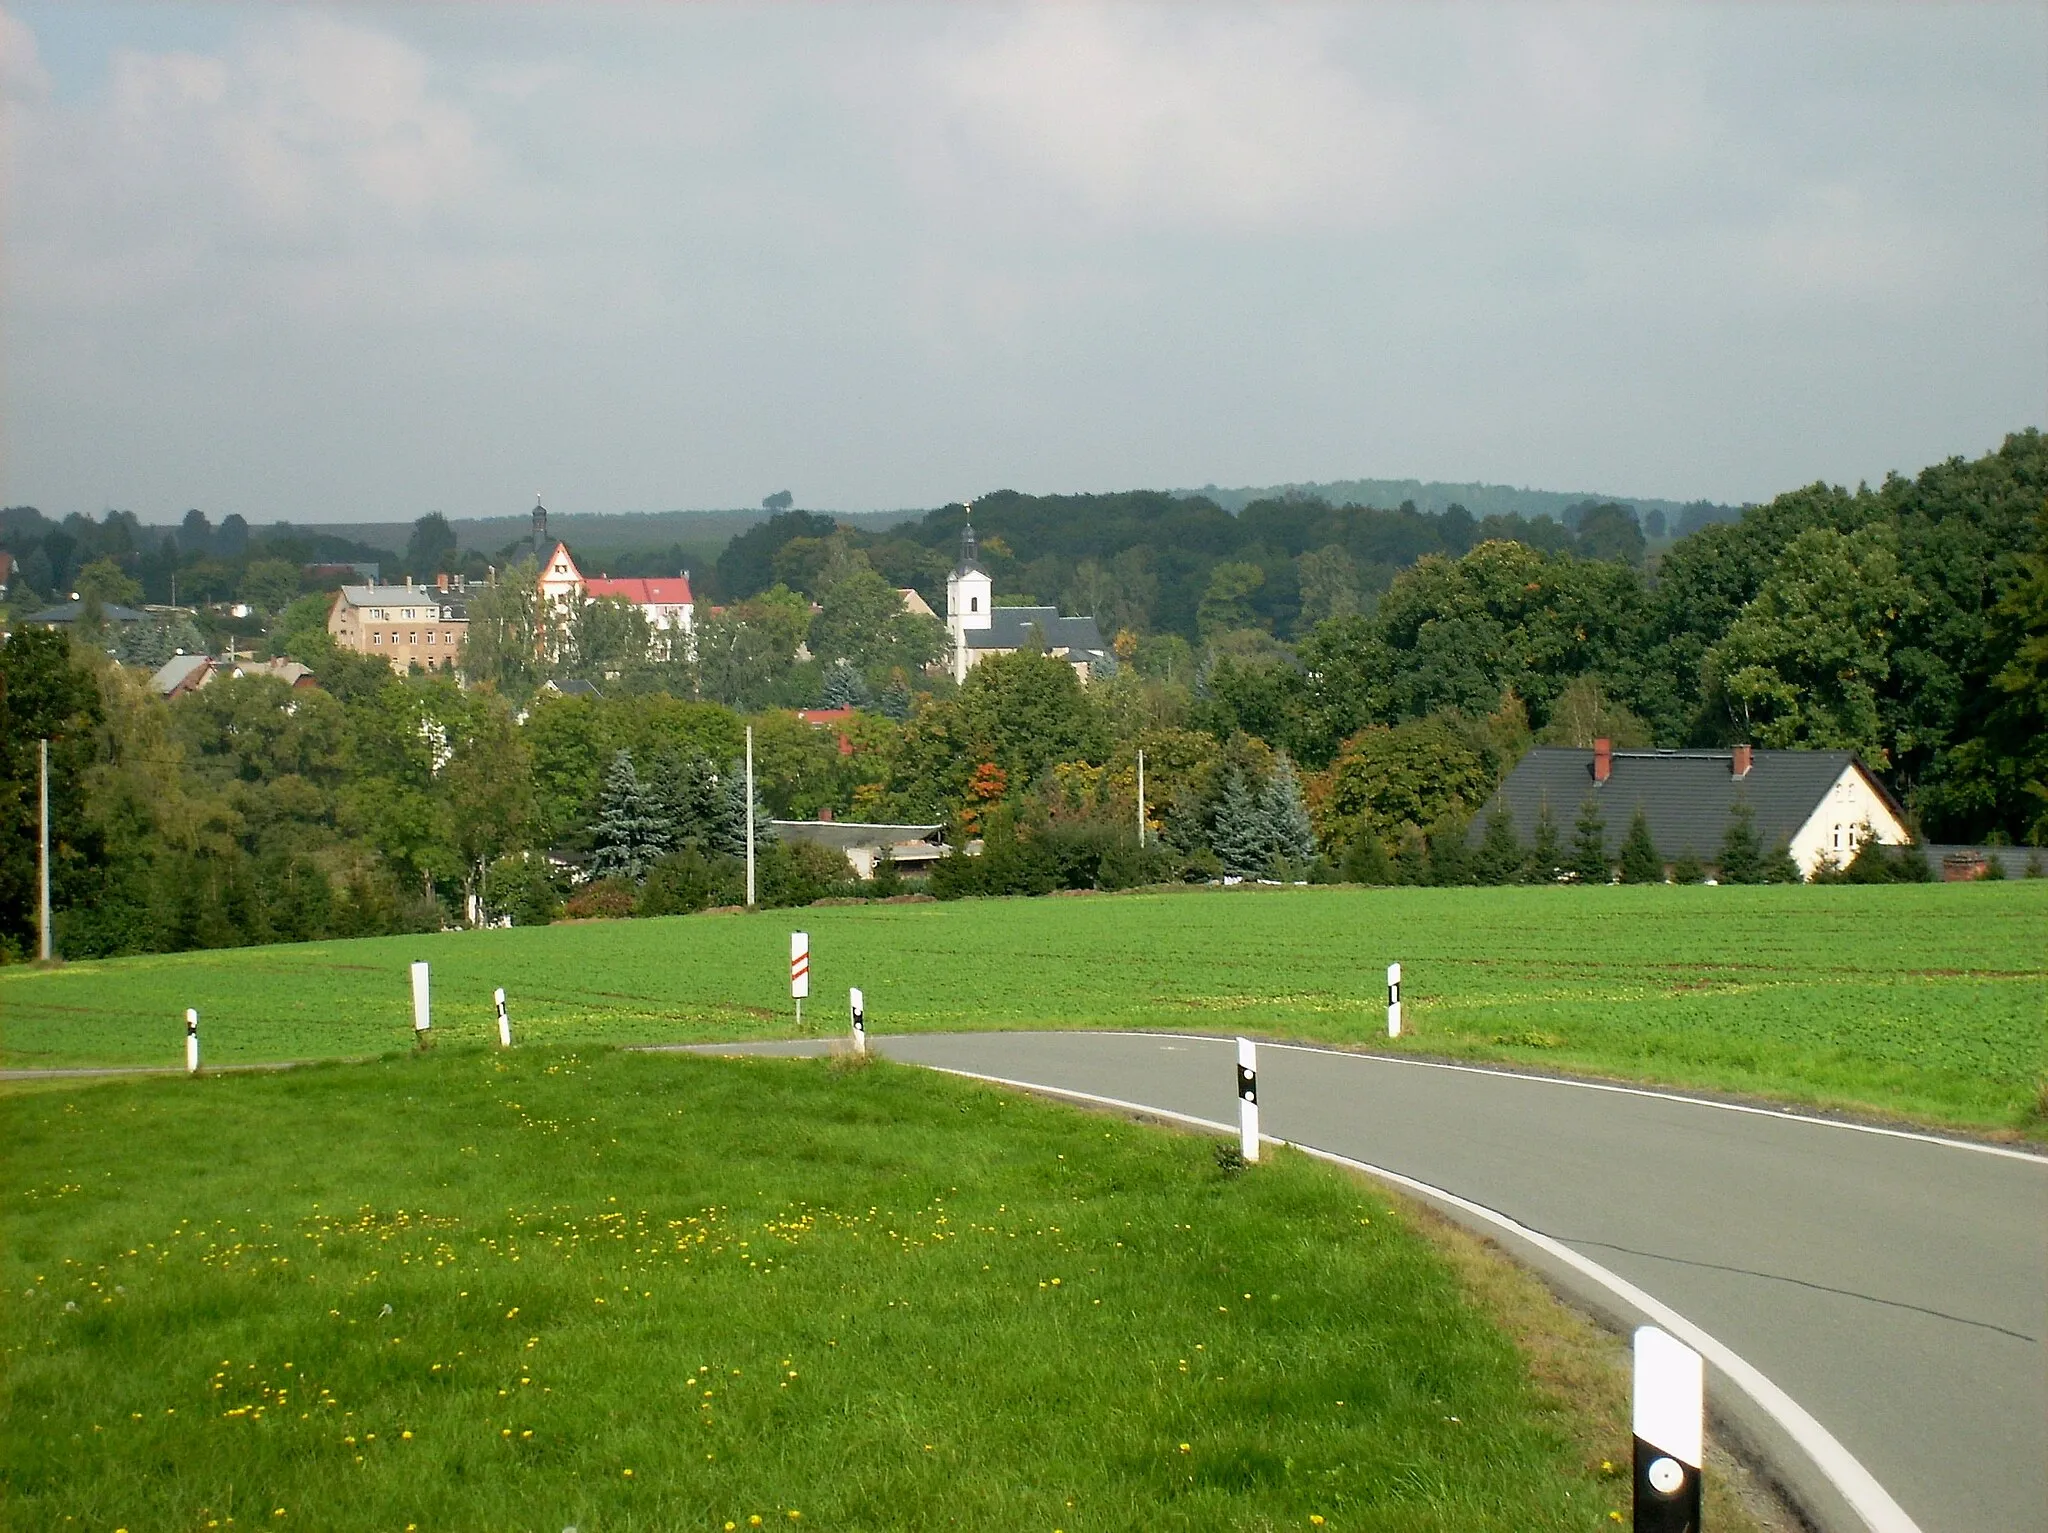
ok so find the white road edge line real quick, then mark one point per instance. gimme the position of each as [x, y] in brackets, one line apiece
[1566, 1080]
[1858, 1486]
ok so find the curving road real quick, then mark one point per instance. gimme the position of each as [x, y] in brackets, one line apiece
[1875, 1304]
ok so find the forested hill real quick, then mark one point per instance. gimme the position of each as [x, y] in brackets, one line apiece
[1680, 517]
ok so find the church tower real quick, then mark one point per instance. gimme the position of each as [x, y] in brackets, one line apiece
[970, 596]
[541, 546]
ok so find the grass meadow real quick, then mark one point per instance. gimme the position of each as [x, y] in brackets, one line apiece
[575, 1288]
[1927, 1002]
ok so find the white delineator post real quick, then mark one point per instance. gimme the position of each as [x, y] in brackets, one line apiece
[1670, 1433]
[1393, 1000]
[799, 971]
[857, 1005]
[504, 1022]
[750, 817]
[1248, 1098]
[422, 1015]
[191, 1041]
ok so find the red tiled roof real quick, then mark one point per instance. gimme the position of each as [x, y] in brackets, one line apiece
[643, 592]
[824, 715]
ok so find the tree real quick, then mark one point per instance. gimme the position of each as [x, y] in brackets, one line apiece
[507, 633]
[1329, 586]
[1413, 774]
[630, 833]
[1546, 862]
[1585, 712]
[781, 500]
[44, 694]
[490, 795]
[606, 637]
[853, 620]
[1226, 604]
[1242, 838]
[431, 546]
[103, 581]
[1292, 837]
[1742, 854]
[1366, 862]
[270, 585]
[1640, 863]
[844, 688]
[1610, 531]
[1501, 856]
[1589, 844]
[1802, 664]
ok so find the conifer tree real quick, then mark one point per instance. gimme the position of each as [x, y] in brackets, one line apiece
[1242, 840]
[1501, 856]
[691, 800]
[1411, 859]
[1589, 844]
[631, 832]
[1687, 868]
[1450, 855]
[1640, 863]
[729, 834]
[1366, 862]
[1742, 854]
[1546, 862]
[1291, 838]
[845, 687]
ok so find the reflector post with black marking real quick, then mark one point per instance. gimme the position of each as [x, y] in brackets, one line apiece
[1670, 1431]
[1248, 1098]
[422, 1011]
[191, 1041]
[857, 1004]
[504, 1022]
[1393, 1000]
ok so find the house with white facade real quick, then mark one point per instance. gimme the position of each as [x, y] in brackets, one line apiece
[979, 628]
[664, 601]
[1820, 805]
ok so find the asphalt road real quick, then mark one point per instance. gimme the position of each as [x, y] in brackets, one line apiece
[1894, 1286]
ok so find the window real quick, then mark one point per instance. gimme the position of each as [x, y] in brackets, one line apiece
[447, 638]
[974, 604]
[412, 638]
[408, 614]
[430, 635]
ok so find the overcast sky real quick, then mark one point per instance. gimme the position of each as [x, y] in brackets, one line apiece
[363, 262]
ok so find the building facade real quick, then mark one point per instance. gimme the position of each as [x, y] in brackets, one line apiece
[403, 625]
[978, 627]
[664, 601]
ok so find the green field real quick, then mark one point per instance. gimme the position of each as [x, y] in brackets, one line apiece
[1928, 1002]
[589, 1289]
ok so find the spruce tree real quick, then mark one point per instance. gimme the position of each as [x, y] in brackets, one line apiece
[1411, 859]
[1501, 855]
[1589, 844]
[1450, 855]
[1291, 839]
[1242, 839]
[1546, 862]
[1686, 868]
[729, 829]
[1366, 862]
[1640, 863]
[1742, 854]
[1781, 867]
[631, 832]
[845, 687]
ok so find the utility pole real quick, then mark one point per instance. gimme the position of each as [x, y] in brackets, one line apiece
[1141, 800]
[750, 816]
[43, 861]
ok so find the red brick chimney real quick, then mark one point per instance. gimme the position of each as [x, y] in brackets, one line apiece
[441, 580]
[1603, 760]
[825, 815]
[1738, 762]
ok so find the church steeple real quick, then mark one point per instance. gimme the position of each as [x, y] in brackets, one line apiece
[969, 553]
[541, 546]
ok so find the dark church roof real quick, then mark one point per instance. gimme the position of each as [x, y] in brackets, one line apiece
[1688, 797]
[1010, 628]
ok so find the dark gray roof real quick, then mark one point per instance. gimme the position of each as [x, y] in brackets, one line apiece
[71, 611]
[1689, 797]
[842, 834]
[576, 686]
[1010, 629]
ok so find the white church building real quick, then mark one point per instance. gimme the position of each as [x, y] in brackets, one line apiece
[978, 627]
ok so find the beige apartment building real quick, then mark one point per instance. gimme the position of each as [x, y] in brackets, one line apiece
[403, 624]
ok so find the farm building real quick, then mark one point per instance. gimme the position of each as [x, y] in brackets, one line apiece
[913, 848]
[1819, 804]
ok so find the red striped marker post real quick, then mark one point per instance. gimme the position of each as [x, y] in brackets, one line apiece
[422, 1014]
[1670, 1433]
[1248, 1098]
[504, 1022]
[191, 1041]
[857, 1005]
[1393, 1000]
[799, 971]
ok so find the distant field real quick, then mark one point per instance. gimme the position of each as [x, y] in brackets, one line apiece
[1924, 1001]
[607, 1292]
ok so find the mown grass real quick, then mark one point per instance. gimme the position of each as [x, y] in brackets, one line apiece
[1928, 1002]
[564, 1288]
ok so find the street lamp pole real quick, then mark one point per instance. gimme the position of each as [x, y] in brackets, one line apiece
[43, 858]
